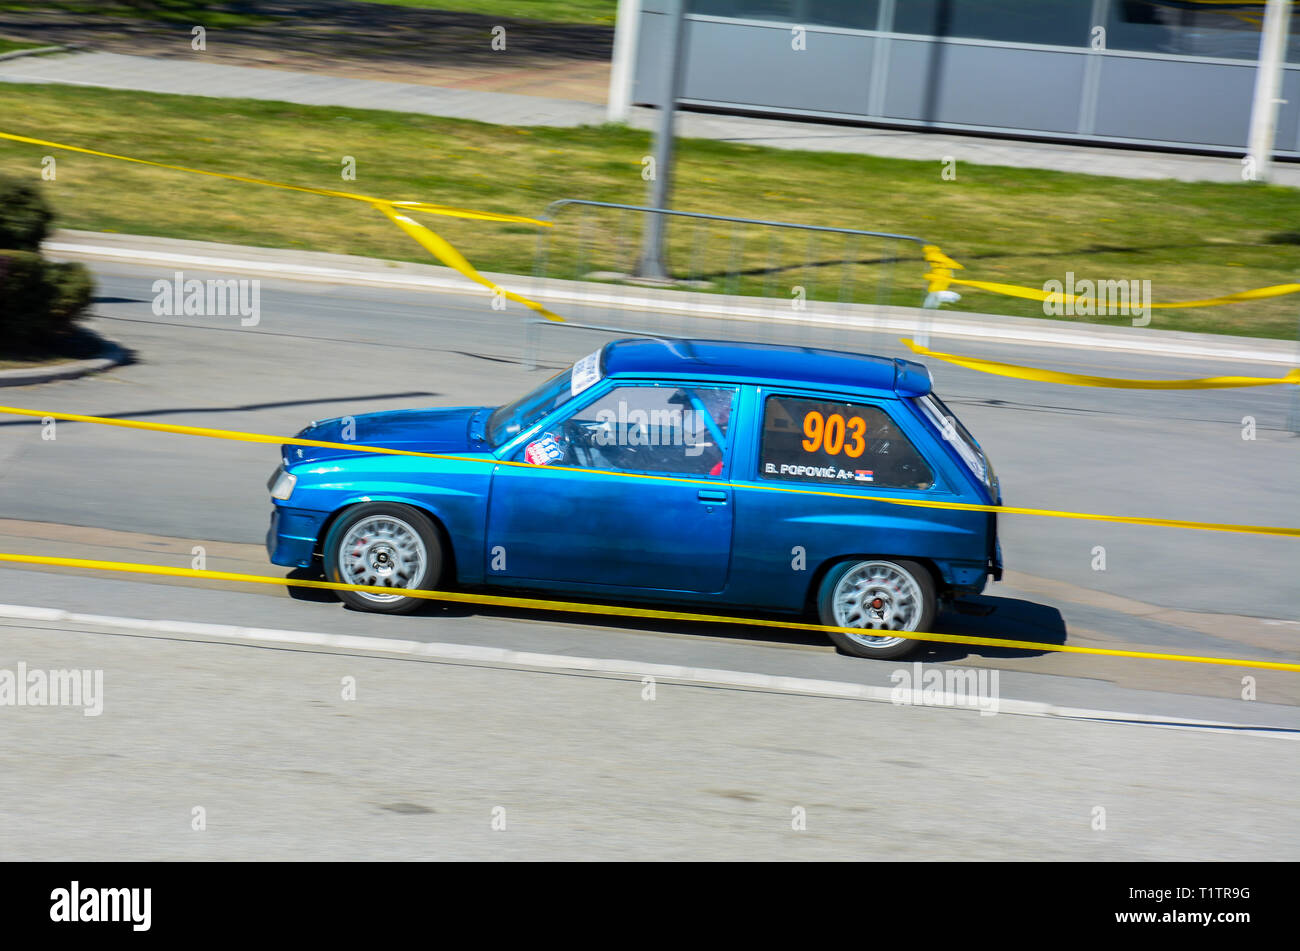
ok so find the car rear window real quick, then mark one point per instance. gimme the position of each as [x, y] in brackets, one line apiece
[832, 442]
[951, 429]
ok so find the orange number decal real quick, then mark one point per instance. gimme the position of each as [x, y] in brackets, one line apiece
[857, 428]
[834, 434]
[812, 428]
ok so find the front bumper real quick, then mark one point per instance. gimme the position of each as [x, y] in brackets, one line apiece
[291, 538]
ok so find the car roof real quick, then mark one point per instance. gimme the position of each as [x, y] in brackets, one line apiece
[765, 363]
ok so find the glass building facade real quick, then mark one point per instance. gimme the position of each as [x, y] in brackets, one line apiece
[1171, 73]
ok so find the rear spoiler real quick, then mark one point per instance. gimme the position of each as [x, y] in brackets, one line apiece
[911, 378]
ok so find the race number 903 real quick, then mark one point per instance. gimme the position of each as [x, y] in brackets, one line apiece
[833, 434]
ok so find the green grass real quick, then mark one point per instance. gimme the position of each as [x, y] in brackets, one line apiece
[10, 46]
[555, 11]
[1020, 226]
[600, 12]
[185, 12]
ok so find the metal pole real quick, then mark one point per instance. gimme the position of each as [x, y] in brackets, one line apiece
[1268, 86]
[541, 264]
[652, 248]
[1293, 418]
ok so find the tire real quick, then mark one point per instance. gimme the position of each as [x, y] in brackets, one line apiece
[385, 544]
[894, 594]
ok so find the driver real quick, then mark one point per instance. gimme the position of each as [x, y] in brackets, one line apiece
[705, 413]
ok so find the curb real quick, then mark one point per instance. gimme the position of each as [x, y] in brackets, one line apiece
[111, 355]
[322, 267]
[673, 673]
[37, 51]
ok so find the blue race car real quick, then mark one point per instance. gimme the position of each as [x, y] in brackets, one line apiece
[738, 475]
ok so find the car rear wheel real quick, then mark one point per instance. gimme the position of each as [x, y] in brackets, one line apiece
[877, 596]
[383, 544]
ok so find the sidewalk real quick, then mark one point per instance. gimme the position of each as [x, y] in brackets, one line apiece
[117, 71]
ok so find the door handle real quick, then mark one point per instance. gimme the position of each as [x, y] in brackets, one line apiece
[711, 495]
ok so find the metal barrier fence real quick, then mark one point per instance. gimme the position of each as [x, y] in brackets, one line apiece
[782, 266]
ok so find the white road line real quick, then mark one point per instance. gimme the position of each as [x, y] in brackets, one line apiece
[668, 672]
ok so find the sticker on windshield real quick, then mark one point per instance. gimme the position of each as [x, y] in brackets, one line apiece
[585, 373]
[544, 451]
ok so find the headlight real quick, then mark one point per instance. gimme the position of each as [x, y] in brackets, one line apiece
[281, 484]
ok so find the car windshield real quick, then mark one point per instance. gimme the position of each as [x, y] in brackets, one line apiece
[510, 420]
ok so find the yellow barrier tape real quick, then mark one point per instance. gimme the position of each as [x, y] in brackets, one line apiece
[582, 607]
[713, 483]
[436, 245]
[440, 248]
[1080, 379]
[940, 277]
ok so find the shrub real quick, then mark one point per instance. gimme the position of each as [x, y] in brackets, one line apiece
[72, 291]
[24, 299]
[24, 215]
[39, 299]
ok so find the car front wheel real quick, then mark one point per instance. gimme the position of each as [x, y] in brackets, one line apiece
[877, 596]
[386, 545]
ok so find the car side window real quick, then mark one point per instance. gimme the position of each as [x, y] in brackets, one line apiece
[828, 441]
[654, 428]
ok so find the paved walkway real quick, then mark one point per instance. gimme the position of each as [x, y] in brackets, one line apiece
[117, 71]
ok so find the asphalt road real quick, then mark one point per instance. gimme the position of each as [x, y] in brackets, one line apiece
[741, 760]
[455, 761]
[320, 352]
